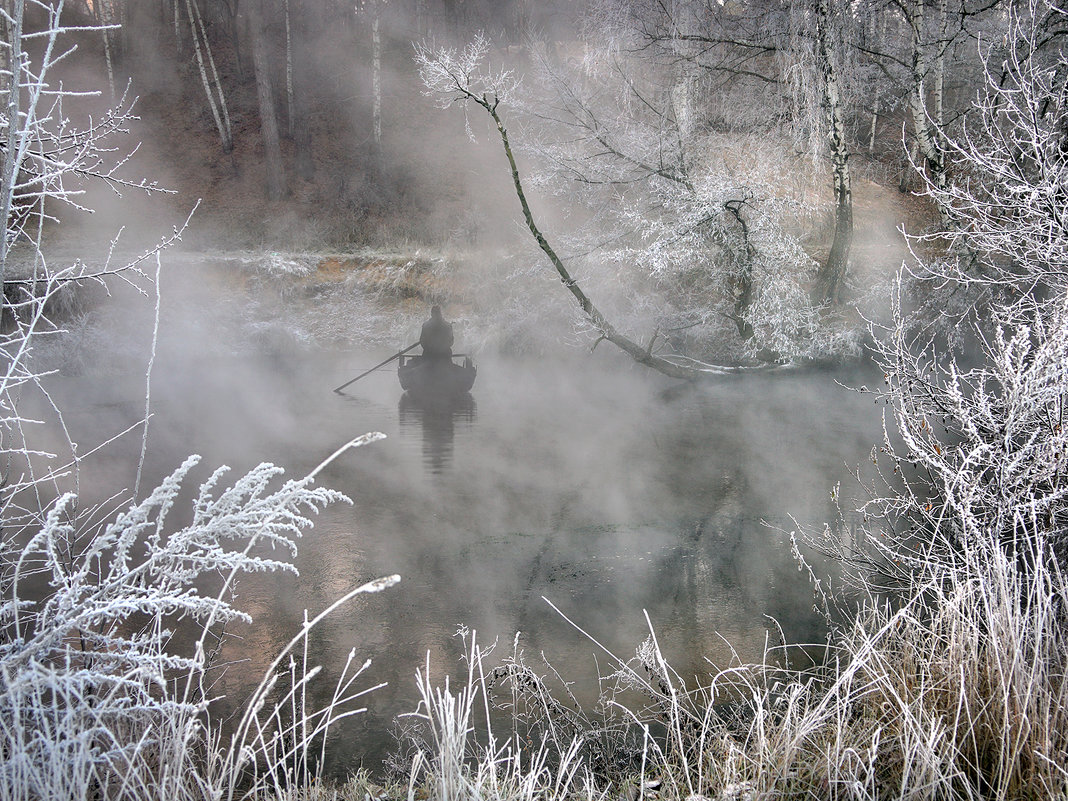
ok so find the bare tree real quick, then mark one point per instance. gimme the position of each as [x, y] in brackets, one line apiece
[771, 67]
[272, 149]
[45, 155]
[452, 76]
[209, 75]
[1010, 213]
[928, 118]
[639, 131]
[699, 205]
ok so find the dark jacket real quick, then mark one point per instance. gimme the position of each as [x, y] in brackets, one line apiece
[436, 338]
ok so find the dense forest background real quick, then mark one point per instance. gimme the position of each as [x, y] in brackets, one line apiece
[745, 169]
[718, 187]
[303, 120]
[301, 123]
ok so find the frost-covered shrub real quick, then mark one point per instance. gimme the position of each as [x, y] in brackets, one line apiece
[946, 676]
[98, 695]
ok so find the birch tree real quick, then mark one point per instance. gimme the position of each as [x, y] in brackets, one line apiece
[770, 67]
[297, 88]
[209, 74]
[927, 116]
[373, 9]
[926, 63]
[826, 25]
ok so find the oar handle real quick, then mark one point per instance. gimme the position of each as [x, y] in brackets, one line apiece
[396, 355]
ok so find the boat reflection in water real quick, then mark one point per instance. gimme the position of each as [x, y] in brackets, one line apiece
[436, 396]
[437, 415]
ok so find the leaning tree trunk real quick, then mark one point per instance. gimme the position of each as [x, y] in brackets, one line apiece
[209, 75]
[642, 355]
[272, 149]
[832, 274]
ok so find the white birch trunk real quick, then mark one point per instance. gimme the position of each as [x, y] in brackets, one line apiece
[940, 80]
[832, 274]
[104, 16]
[926, 128]
[874, 124]
[376, 76]
[209, 76]
[13, 140]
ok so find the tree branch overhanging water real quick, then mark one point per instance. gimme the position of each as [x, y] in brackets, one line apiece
[455, 79]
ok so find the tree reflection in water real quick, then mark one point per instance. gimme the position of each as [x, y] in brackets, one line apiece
[437, 417]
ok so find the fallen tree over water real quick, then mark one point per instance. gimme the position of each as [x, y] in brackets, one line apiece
[458, 77]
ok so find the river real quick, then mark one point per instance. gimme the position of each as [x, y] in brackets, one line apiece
[576, 478]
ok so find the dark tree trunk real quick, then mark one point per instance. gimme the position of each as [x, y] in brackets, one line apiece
[232, 11]
[742, 282]
[302, 139]
[297, 88]
[832, 274]
[272, 150]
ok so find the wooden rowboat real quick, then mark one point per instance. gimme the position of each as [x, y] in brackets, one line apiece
[436, 377]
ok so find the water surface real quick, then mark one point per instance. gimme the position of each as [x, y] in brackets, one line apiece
[576, 477]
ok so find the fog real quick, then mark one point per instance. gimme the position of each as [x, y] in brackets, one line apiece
[568, 474]
[578, 477]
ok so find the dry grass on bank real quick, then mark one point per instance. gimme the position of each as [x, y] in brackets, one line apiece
[959, 692]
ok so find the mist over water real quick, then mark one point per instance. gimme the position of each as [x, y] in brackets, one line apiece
[579, 477]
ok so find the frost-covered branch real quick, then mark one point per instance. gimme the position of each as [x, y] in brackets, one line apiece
[976, 458]
[1010, 205]
[682, 221]
[44, 156]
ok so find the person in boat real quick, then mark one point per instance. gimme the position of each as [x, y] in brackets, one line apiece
[436, 336]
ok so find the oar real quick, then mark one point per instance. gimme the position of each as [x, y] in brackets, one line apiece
[396, 355]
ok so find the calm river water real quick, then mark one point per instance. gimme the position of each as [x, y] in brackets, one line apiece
[577, 478]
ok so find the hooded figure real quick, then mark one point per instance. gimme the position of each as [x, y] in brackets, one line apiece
[436, 336]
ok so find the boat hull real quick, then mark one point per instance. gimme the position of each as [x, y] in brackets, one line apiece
[436, 378]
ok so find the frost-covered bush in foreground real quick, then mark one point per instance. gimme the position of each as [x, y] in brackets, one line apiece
[959, 692]
[99, 696]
